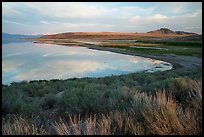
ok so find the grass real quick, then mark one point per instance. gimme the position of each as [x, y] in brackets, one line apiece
[16, 125]
[166, 117]
[174, 43]
[178, 51]
[169, 47]
[144, 103]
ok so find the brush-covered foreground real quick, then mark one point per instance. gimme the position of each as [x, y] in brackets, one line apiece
[157, 103]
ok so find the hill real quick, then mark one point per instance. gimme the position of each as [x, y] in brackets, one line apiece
[183, 33]
[168, 31]
[88, 35]
[162, 32]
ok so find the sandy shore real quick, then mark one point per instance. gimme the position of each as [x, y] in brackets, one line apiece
[177, 61]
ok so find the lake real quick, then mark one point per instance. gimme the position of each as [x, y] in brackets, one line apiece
[31, 61]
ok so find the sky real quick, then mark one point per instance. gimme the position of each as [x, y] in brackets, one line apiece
[58, 17]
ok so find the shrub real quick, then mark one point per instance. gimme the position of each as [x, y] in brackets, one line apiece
[78, 100]
[11, 101]
[49, 101]
[183, 89]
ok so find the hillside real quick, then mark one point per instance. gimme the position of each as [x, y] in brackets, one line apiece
[183, 33]
[166, 31]
[162, 32]
[88, 35]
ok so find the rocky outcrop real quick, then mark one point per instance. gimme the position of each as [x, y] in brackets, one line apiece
[162, 31]
[168, 31]
[60, 94]
[184, 33]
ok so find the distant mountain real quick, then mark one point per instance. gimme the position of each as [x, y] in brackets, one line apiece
[168, 31]
[162, 31]
[183, 33]
[17, 36]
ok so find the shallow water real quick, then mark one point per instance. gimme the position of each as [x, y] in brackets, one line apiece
[31, 61]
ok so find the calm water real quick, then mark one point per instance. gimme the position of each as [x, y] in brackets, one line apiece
[30, 61]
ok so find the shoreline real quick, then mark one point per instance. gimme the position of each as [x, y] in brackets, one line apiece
[177, 61]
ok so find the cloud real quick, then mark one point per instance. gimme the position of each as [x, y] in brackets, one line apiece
[13, 22]
[193, 28]
[135, 18]
[70, 16]
[177, 8]
[193, 19]
[44, 22]
[148, 20]
[65, 10]
[157, 17]
[67, 69]
[10, 65]
[195, 14]
[9, 11]
[132, 11]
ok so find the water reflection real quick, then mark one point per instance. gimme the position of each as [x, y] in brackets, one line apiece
[29, 61]
[14, 40]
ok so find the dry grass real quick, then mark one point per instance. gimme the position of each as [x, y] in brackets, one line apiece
[20, 126]
[110, 124]
[109, 35]
[197, 97]
[168, 118]
[89, 126]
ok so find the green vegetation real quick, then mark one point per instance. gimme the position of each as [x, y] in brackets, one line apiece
[174, 43]
[193, 48]
[176, 51]
[167, 102]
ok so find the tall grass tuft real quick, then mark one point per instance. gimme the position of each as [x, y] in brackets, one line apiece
[168, 118]
[20, 126]
[89, 126]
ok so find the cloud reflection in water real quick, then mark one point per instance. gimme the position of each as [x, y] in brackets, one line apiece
[28, 61]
